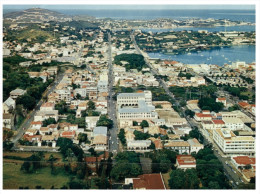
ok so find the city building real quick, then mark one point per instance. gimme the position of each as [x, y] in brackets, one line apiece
[231, 144]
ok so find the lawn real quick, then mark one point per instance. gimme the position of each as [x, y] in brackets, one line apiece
[13, 178]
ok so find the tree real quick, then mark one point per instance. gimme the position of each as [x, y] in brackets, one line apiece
[91, 105]
[83, 137]
[121, 136]
[210, 104]
[180, 179]
[144, 124]
[27, 101]
[123, 169]
[64, 144]
[141, 136]
[104, 121]
[135, 123]
[48, 121]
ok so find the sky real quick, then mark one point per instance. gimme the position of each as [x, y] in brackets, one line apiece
[138, 6]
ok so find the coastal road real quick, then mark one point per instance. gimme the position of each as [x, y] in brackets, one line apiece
[113, 141]
[30, 116]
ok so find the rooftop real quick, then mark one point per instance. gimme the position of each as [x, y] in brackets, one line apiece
[148, 181]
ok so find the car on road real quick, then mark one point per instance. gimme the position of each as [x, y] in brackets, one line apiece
[117, 143]
[237, 183]
[112, 142]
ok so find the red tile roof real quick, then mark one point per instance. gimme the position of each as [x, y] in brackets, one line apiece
[36, 123]
[218, 122]
[148, 181]
[202, 115]
[68, 134]
[244, 160]
[243, 104]
[186, 160]
[221, 99]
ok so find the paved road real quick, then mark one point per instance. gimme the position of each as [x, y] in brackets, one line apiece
[113, 141]
[232, 176]
[30, 116]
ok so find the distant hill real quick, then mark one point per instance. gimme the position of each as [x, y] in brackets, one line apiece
[36, 15]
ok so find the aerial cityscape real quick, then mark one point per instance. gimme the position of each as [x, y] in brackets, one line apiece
[128, 98]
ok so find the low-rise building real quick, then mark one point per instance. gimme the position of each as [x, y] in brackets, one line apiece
[185, 162]
[179, 146]
[147, 181]
[16, 93]
[139, 145]
[195, 145]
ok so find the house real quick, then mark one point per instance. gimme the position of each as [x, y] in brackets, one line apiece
[207, 124]
[99, 141]
[36, 125]
[147, 181]
[139, 145]
[68, 134]
[48, 106]
[25, 64]
[244, 105]
[44, 130]
[43, 115]
[52, 70]
[185, 162]
[218, 124]
[195, 145]
[31, 132]
[91, 122]
[179, 146]
[16, 93]
[241, 161]
[202, 117]
[8, 121]
[8, 105]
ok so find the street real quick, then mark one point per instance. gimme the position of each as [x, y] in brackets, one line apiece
[30, 116]
[113, 141]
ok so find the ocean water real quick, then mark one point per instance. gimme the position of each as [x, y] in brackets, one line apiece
[245, 28]
[235, 15]
[225, 55]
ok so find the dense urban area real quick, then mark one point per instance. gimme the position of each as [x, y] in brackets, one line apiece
[85, 107]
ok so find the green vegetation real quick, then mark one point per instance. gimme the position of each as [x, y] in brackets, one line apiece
[134, 61]
[180, 179]
[13, 178]
[48, 121]
[210, 104]
[141, 136]
[210, 170]
[162, 160]
[121, 136]
[127, 165]
[105, 121]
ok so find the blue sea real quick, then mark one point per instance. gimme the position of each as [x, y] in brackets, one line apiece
[235, 15]
[225, 55]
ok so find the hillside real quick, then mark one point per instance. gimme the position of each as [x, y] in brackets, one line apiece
[36, 15]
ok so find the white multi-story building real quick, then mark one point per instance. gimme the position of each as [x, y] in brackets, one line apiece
[231, 144]
[234, 123]
[64, 95]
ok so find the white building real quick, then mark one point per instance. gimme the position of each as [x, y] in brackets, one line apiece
[234, 123]
[231, 144]
[139, 145]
